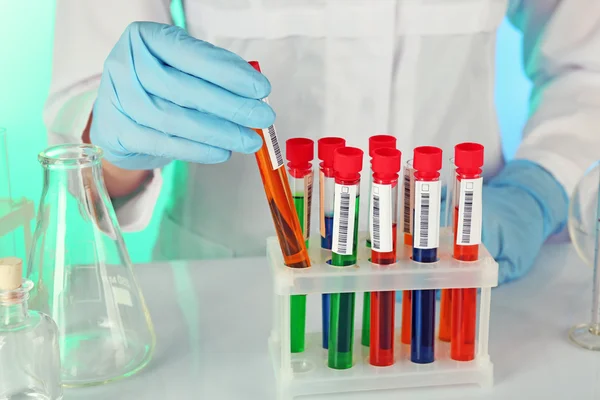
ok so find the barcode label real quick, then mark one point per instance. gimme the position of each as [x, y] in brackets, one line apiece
[344, 215]
[308, 189]
[273, 147]
[469, 212]
[272, 142]
[326, 189]
[381, 218]
[407, 198]
[427, 214]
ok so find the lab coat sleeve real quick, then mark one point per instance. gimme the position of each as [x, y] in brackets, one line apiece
[561, 44]
[85, 32]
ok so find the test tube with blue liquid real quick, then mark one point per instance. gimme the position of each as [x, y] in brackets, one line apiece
[427, 163]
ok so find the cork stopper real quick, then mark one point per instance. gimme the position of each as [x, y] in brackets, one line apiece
[10, 273]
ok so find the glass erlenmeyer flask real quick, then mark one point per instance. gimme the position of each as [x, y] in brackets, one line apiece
[82, 272]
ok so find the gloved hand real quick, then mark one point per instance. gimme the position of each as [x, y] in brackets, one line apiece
[165, 95]
[522, 206]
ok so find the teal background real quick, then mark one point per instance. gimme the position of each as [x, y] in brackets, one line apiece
[26, 35]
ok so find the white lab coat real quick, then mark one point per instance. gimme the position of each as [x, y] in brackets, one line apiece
[422, 70]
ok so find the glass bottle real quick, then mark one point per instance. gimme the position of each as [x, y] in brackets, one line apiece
[83, 273]
[29, 353]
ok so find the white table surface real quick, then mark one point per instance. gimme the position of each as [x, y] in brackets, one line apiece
[212, 341]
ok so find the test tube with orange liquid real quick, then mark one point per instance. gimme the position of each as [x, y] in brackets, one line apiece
[281, 203]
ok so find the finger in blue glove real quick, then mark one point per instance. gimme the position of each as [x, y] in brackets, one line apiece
[165, 95]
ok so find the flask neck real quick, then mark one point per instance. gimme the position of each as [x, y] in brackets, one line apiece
[76, 168]
[13, 309]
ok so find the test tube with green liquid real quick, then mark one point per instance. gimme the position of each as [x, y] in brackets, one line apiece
[347, 165]
[300, 153]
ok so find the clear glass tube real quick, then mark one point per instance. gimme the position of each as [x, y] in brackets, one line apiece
[83, 273]
[29, 352]
[7, 240]
[584, 228]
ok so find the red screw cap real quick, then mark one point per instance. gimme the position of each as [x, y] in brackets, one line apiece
[427, 159]
[347, 162]
[468, 155]
[380, 141]
[255, 65]
[386, 162]
[326, 147]
[299, 152]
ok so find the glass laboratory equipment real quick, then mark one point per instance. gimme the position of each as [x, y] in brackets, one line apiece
[83, 273]
[584, 229]
[7, 236]
[29, 352]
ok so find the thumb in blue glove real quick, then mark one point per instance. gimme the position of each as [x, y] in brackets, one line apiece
[522, 207]
[165, 95]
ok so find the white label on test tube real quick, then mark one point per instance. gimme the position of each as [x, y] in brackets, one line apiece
[343, 219]
[469, 212]
[326, 188]
[427, 214]
[381, 218]
[272, 142]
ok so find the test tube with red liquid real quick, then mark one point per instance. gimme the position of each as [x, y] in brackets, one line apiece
[325, 149]
[383, 227]
[468, 158]
[375, 142]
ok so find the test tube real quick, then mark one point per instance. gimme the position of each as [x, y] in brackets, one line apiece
[347, 164]
[279, 196]
[300, 153]
[426, 236]
[467, 237]
[375, 142]
[408, 196]
[384, 222]
[408, 205]
[445, 331]
[326, 146]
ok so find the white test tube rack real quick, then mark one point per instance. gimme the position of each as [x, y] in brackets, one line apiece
[307, 373]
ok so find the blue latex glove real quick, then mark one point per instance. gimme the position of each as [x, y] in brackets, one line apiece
[165, 95]
[522, 206]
